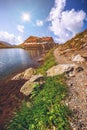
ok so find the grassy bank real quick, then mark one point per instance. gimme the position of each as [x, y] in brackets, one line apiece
[46, 109]
[49, 62]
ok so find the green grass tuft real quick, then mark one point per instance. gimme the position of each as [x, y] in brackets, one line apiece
[49, 62]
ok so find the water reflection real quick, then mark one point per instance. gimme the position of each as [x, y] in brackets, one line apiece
[14, 60]
[34, 53]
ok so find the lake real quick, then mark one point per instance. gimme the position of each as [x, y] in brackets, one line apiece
[15, 60]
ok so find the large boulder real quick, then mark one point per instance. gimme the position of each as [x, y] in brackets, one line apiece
[60, 69]
[78, 58]
[28, 73]
[27, 88]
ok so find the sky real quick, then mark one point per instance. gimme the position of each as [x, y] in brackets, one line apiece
[61, 19]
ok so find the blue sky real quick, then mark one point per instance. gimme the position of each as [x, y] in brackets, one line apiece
[61, 19]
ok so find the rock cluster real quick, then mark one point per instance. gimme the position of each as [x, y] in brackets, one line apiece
[31, 78]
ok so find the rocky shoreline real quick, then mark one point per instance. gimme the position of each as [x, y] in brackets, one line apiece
[10, 96]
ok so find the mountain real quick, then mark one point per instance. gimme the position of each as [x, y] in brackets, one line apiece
[37, 39]
[77, 42]
[36, 42]
[4, 44]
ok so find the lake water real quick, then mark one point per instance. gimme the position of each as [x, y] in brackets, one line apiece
[15, 60]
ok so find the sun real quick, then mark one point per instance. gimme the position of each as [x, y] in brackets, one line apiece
[26, 17]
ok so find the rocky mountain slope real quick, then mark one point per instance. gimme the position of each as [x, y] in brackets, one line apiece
[74, 53]
[4, 44]
[37, 42]
[77, 42]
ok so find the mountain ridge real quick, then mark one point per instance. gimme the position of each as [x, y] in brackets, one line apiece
[79, 41]
[4, 44]
[38, 42]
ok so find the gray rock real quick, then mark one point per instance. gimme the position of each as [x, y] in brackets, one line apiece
[36, 78]
[60, 69]
[18, 76]
[27, 88]
[24, 75]
[28, 73]
[78, 58]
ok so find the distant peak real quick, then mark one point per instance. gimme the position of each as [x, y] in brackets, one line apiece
[38, 39]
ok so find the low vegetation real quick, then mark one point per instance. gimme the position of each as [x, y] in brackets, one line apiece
[45, 109]
[49, 62]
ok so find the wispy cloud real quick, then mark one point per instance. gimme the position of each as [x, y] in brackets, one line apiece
[65, 24]
[20, 28]
[26, 17]
[19, 39]
[10, 38]
[39, 23]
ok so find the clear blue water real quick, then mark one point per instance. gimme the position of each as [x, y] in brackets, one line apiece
[15, 60]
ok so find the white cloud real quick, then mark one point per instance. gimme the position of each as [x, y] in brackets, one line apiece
[20, 28]
[26, 17]
[20, 40]
[10, 38]
[65, 24]
[39, 23]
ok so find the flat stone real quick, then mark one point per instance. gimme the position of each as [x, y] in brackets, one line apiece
[27, 88]
[60, 69]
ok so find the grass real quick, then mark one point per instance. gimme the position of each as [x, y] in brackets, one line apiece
[49, 62]
[46, 110]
